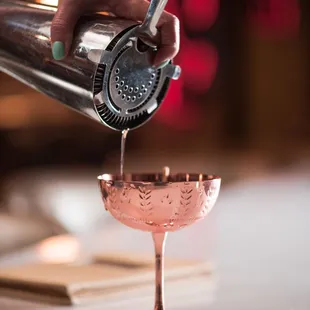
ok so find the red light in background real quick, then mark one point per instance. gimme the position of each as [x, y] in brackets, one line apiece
[198, 60]
[277, 18]
[174, 7]
[199, 15]
[177, 112]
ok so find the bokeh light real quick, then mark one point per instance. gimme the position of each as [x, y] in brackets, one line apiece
[198, 59]
[276, 19]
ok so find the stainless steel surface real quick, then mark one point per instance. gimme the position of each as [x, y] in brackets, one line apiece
[126, 88]
[148, 32]
[133, 89]
[82, 80]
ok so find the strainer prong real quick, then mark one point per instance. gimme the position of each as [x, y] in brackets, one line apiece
[148, 32]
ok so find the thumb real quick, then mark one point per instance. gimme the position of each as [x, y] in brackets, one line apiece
[63, 24]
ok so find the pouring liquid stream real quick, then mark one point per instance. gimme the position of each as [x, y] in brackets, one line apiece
[123, 147]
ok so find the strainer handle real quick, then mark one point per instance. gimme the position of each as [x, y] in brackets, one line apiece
[152, 17]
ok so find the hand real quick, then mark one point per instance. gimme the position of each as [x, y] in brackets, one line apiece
[69, 11]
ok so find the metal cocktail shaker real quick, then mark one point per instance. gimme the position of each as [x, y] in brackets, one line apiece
[108, 75]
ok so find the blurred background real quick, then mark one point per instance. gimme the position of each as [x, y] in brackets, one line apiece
[241, 110]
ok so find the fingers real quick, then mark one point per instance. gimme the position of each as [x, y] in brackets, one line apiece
[63, 25]
[69, 11]
[170, 40]
[168, 25]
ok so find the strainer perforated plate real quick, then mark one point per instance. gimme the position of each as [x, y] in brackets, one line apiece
[128, 90]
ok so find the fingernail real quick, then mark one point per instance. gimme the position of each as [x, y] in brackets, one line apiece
[58, 50]
[163, 65]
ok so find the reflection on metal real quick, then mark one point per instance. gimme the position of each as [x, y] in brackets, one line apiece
[83, 82]
[48, 2]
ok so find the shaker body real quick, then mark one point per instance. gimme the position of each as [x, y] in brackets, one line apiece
[25, 52]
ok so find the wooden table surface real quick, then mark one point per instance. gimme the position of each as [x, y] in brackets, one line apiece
[257, 236]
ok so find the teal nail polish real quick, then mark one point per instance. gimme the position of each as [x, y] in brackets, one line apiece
[164, 64]
[58, 50]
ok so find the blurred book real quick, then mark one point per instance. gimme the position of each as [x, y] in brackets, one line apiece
[112, 276]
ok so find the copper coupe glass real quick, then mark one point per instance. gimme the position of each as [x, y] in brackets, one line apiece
[159, 203]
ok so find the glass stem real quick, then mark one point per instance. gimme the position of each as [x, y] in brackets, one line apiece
[159, 244]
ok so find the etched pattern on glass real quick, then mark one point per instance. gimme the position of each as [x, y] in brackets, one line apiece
[160, 207]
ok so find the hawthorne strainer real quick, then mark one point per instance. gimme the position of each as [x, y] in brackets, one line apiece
[128, 89]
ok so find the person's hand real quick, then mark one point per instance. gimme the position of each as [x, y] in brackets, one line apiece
[69, 11]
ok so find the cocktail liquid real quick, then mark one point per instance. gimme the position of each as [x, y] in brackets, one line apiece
[123, 146]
